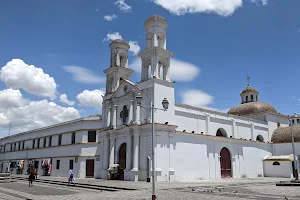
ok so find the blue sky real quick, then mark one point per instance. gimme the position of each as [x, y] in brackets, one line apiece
[219, 43]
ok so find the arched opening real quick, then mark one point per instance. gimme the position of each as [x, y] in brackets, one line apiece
[122, 161]
[123, 61]
[246, 99]
[149, 40]
[109, 85]
[221, 132]
[276, 163]
[252, 99]
[160, 40]
[260, 138]
[225, 162]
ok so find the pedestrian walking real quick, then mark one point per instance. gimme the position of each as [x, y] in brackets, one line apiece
[71, 178]
[31, 178]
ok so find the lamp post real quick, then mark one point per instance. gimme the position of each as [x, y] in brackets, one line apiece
[165, 104]
[293, 146]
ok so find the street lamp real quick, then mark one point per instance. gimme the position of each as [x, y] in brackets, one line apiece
[293, 145]
[165, 104]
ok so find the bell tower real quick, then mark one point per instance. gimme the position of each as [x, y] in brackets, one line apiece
[118, 69]
[155, 58]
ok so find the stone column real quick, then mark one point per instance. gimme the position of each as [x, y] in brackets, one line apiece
[137, 113]
[136, 146]
[233, 128]
[114, 118]
[112, 149]
[108, 117]
[105, 151]
[128, 151]
[207, 123]
[168, 72]
[252, 131]
[130, 119]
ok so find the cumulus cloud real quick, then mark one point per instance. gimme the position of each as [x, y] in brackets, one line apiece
[134, 45]
[181, 7]
[64, 99]
[83, 75]
[112, 36]
[123, 7]
[196, 98]
[24, 115]
[199, 98]
[180, 70]
[19, 75]
[91, 98]
[110, 17]
[10, 98]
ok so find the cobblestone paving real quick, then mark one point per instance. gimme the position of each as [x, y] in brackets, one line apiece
[256, 189]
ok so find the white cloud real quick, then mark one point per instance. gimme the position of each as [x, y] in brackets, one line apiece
[110, 17]
[27, 115]
[10, 98]
[263, 2]
[196, 98]
[83, 75]
[199, 98]
[134, 45]
[112, 36]
[64, 99]
[91, 98]
[124, 7]
[180, 70]
[181, 7]
[298, 31]
[18, 75]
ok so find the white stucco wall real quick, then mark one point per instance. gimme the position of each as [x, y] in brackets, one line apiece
[284, 170]
[195, 157]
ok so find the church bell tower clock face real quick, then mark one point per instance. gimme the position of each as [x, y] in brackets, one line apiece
[124, 115]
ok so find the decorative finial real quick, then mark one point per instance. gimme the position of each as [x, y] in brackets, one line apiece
[248, 78]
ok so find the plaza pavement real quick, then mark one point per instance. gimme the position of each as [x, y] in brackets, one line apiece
[257, 189]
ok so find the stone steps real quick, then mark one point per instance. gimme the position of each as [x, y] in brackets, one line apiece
[80, 185]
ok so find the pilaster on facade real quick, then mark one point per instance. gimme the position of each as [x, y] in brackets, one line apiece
[128, 151]
[112, 139]
[136, 146]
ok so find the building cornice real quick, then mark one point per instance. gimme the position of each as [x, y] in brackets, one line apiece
[218, 113]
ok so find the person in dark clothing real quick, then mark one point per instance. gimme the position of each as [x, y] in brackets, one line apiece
[31, 178]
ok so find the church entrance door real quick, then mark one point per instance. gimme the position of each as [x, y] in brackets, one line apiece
[225, 162]
[122, 161]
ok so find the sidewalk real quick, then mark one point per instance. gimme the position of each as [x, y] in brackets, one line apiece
[95, 182]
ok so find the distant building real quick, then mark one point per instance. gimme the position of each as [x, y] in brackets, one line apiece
[191, 143]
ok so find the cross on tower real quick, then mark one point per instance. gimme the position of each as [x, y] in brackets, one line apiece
[248, 78]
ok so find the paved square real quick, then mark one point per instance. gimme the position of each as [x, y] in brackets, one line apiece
[257, 189]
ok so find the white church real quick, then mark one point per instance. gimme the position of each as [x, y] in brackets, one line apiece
[190, 143]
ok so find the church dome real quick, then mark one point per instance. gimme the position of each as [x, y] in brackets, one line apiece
[249, 90]
[251, 108]
[283, 134]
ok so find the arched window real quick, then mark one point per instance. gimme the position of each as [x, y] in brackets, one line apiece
[246, 99]
[260, 138]
[221, 132]
[276, 163]
[252, 98]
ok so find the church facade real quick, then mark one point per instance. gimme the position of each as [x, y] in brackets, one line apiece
[190, 143]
